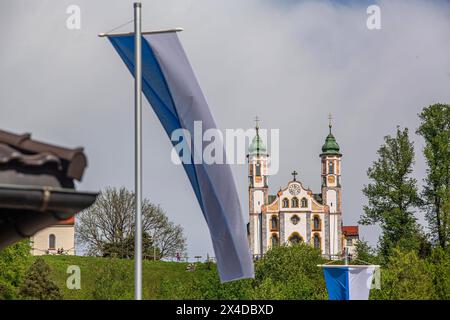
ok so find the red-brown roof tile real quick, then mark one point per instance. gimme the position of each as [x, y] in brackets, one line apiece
[23, 149]
[350, 230]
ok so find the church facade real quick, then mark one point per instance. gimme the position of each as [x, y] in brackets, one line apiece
[296, 214]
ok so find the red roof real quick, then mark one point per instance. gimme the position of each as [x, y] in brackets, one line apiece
[350, 230]
[69, 221]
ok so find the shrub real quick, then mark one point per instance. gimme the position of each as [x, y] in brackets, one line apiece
[37, 284]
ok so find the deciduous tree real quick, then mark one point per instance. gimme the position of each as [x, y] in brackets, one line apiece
[392, 194]
[107, 227]
[435, 129]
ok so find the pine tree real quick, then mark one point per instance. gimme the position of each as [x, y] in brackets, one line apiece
[37, 284]
[435, 129]
[392, 194]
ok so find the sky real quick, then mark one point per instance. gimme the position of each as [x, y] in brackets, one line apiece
[289, 62]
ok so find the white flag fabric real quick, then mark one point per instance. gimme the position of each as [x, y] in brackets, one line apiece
[169, 84]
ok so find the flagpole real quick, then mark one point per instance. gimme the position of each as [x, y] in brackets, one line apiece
[138, 151]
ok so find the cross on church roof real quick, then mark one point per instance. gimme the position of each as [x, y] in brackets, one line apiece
[294, 174]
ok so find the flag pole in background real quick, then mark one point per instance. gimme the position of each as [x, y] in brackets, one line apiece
[138, 151]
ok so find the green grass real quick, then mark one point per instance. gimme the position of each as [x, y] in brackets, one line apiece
[153, 272]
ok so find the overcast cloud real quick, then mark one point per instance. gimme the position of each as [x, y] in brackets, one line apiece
[289, 62]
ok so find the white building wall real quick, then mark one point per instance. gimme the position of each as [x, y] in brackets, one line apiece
[258, 200]
[65, 239]
[290, 228]
[256, 235]
[332, 200]
[334, 235]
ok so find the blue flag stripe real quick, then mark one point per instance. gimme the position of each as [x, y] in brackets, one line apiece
[336, 280]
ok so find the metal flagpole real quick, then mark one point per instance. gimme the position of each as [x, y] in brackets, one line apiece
[138, 151]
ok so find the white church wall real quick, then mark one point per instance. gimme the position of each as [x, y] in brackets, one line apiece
[258, 198]
[290, 228]
[64, 238]
[332, 200]
[256, 239]
[334, 235]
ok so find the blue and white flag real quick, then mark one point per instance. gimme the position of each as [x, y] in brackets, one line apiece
[346, 282]
[169, 84]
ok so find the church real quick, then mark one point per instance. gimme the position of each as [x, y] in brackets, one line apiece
[296, 214]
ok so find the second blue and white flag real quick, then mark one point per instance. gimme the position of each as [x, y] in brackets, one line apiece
[169, 84]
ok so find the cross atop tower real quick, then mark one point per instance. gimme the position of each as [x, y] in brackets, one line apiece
[294, 174]
[329, 121]
[257, 120]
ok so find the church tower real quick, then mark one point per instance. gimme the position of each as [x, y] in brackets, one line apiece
[332, 194]
[257, 191]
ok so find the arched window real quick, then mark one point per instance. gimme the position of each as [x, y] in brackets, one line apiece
[295, 219]
[316, 223]
[316, 241]
[294, 202]
[295, 238]
[52, 241]
[285, 203]
[274, 223]
[258, 169]
[274, 240]
[304, 203]
[330, 167]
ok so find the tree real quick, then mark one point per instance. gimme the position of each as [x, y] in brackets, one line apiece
[37, 284]
[107, 227]
[294, 270]
[405, 277]
[439, 264]
[435, 129]
[365, 253]
[285, 272]
[125, 249]
[13, 265]
[392, 195]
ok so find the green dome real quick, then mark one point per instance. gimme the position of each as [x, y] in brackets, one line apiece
[257, 146]
[330, 147]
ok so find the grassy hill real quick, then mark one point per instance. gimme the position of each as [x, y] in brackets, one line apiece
[96, 275]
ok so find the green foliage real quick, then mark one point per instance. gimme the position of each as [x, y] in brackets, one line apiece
[435, 129]
[365, 254]
[439, 266]
[37, 284]
[113, 281]
[392, 195]
[405, 277]
[124, 249]
[286, 272]
[14, 261]
[294, 270]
